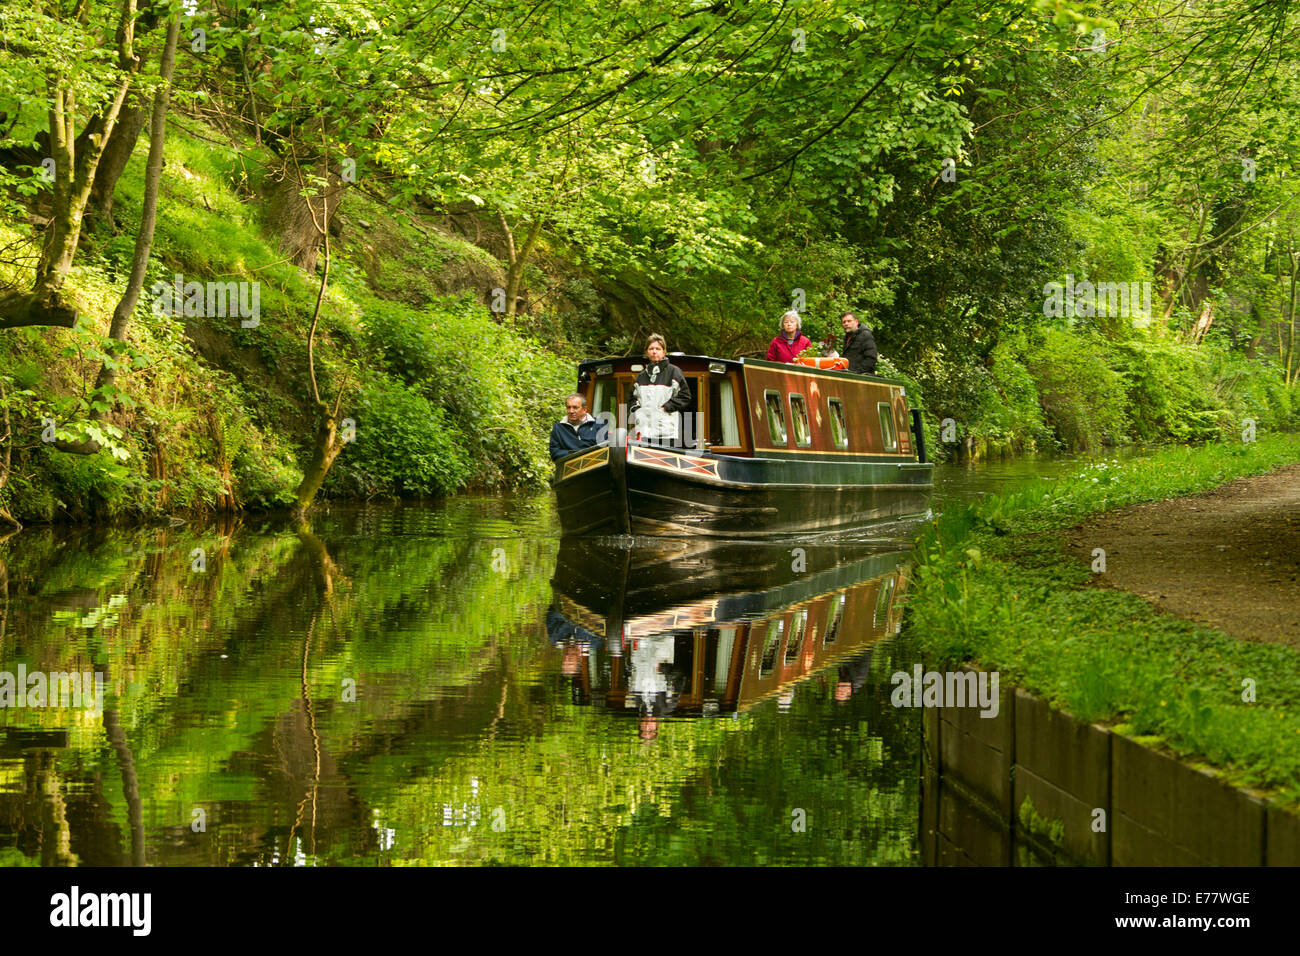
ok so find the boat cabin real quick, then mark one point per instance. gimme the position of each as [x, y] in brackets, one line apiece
[753, 407]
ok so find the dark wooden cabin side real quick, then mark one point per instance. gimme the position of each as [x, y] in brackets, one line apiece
[746, 385]
[859, 397]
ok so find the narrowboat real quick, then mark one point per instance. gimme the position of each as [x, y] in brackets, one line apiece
[650, 640]
[765, 450]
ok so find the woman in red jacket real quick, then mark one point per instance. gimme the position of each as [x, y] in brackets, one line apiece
[787, 346]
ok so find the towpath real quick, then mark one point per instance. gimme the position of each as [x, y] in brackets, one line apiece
[1229, 558]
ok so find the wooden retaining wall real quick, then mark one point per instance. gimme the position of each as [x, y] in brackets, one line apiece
[982, 774]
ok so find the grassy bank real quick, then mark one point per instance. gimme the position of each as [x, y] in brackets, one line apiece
[994, 588]
[445, 394]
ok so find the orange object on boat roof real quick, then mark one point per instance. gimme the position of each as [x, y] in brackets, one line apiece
[831, 363]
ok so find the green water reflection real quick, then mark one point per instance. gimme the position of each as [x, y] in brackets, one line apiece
[443, 685]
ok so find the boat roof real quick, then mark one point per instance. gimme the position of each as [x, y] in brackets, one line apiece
[589, 365]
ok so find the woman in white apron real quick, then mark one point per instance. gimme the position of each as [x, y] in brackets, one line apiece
[659, 393]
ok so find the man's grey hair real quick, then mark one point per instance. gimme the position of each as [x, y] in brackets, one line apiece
[578, 395]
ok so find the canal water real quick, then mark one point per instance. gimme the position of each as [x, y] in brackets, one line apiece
[451, 684]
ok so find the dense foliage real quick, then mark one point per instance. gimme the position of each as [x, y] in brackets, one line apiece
[444, 205]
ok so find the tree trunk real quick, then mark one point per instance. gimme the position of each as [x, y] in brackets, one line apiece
[130, 782]
[1288, 369]
[73, 177]
[324, 570]
[252, 97]
[515, 274]
[121, 323]
[55, 833]
[517, 258]
[72, 181]
[158, 472]
[6, 465]
[324, 452]
[30, 308]
[121, 145]
[296, 219]
[149, 213]
[328, 444]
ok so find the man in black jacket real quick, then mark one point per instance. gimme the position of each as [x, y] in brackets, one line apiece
[859, 345]
[577, 430]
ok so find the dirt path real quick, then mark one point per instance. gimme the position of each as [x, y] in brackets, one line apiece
[1229, 558]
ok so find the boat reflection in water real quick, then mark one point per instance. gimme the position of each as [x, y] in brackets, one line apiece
[715, 631]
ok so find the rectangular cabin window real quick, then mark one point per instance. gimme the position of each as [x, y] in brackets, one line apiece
[833, 623]
[776, 417]
[605, 399]
[799, 419]
[887, 433]
[691, 423]
[722, 668]
[839, 432]
[724, 428]
[797, 627]
[882, 601]
[771, 643]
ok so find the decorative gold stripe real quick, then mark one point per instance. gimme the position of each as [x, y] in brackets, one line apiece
[764, 485]
[817, 373]
[582, 463]
[818, 451]
[673, 462]
[674, 619]
[577, 614]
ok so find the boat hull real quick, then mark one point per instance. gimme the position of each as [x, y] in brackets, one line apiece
[649, 490]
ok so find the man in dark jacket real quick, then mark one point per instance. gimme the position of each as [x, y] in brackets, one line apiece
[859, 345]
[577, 430]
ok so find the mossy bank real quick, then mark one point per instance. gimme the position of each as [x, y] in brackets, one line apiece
[214, 411]
[994, 588]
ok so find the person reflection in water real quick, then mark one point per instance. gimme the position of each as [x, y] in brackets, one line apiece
[577, 641]
[652, 682]
[852, 676]
[649, 729]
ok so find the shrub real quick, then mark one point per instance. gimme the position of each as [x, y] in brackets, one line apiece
[501, 390]
[1167, 389]
[404, 444]
[1012, 412]
[1083, 398]
[1252, 389]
